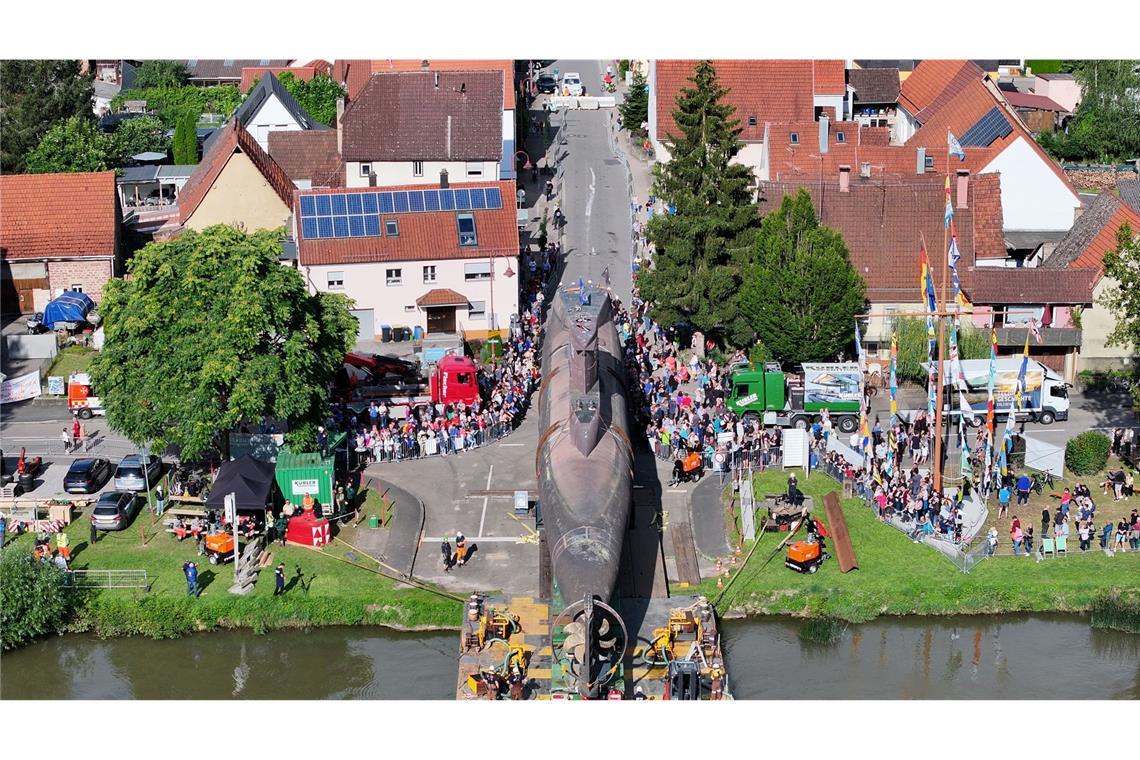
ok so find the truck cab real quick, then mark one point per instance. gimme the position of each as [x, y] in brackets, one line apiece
[453, 381]
[81, 400]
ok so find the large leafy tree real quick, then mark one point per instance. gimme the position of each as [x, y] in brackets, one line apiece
[186, 140]
[635, 108]
[34, 95]
[161, 74]
[317, 96]
[171, 103]
[33, 598]
[1122, 298]
[210, 331]
[801, 294]
[1107, 123]
[701, 249]
[141, 134]
[74, 145]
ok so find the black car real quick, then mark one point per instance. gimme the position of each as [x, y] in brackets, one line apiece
[86, 475]
[547, 84]
[114, 510]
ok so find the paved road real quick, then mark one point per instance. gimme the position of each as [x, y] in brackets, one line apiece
[594, 190]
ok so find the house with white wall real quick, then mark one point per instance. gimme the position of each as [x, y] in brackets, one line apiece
[416, 127]
[269, 107]
[443, 258]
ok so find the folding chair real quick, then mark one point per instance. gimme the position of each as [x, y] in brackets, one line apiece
[1061, 541]
[1047, 547]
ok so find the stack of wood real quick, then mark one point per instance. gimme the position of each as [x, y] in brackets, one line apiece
[249, 564]
[1101, 180]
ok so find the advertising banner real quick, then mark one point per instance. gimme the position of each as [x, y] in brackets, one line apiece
[833, 384]
[20, 388]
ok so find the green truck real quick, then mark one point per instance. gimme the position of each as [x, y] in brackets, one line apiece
[774, 397]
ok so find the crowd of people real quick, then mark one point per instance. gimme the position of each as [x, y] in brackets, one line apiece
[506, 385]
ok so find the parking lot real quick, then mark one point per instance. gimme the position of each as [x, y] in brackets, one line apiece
[49, 481]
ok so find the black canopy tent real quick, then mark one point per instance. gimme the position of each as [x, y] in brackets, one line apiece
[251, 481]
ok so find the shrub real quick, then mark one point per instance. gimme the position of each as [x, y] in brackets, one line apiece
[1118, 611]
[33, 598]
[1087, 453]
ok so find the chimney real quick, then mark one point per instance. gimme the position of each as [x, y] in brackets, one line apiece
[443, 179]
[339, 126]
[865, 170]
[437, 80]
[920, 161]
[963, 188]
[823, 134]
[424, 64]
[844, 179]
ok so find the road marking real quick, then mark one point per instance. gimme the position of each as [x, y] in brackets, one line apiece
[676, 490]
[485, 539]
[485, 500]
[512, 444]
[593, 189]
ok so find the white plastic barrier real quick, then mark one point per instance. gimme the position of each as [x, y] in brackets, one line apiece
[795, 448]
[583, 103]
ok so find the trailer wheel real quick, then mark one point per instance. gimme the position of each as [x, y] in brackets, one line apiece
[975, 421]
[800, 423]
[813, 567]
[1046, 417]
[213, 559]
[847, 424]
[85, 413]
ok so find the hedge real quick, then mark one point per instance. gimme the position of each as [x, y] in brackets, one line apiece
[1087, 453]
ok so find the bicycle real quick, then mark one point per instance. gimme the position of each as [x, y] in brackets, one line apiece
[1119, 384]
[1040, 480]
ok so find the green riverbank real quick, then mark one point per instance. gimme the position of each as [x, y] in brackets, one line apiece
[899, 577]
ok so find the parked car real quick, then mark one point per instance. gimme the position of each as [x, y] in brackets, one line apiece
[572, 83]
[114, 510]
[547, 84]
[129, 475]
[86, 475]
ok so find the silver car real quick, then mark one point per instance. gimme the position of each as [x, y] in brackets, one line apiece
[129, 476]
[114, 510]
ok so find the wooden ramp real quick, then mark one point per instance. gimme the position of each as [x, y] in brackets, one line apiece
[685, 553]
[840, 536]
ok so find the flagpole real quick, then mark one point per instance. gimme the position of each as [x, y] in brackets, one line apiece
[938, 444]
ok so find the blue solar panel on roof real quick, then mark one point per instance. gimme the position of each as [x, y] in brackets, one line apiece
[447, 200]
[990, 127]
[462, 200]
[416, 200]
[324, 206]
[386, 203]
[494, 198]
[372, 225]
[338, 205]
[340, 215]
[309, 228]
[356, 226]
[431, 200]
[308, 206]
[340, 226]
[400, 200]
[478, 200]
[369, 202]
[324, 226]
[354, 204]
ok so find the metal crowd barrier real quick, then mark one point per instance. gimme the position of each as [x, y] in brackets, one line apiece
[108, 579]
[401, 449]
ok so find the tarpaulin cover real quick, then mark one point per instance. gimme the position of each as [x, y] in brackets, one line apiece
[69, 307]
[249, 480]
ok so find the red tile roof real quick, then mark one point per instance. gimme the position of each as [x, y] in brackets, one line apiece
[1036, 285]
[233, 138]
[354, 73]
[934, 81]
[441, 297]
[405, 116]
[1030, 100]
[58, 215]
[770, 90]
[787, 161]
[422, 236]
[883, 223]
[830, 78]
[308, 154]
[1094, 233]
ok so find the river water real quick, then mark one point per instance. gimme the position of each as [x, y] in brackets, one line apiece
[1010, 657]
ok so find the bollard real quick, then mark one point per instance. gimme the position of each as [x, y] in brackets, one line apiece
[719, 581]
[734, 560]
[719, 567]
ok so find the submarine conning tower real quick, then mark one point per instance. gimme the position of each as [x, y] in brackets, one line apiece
[585, 421]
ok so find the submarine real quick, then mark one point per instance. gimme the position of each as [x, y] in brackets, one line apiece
[584, 464]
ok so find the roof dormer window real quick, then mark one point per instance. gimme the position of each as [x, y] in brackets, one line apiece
[794, 138]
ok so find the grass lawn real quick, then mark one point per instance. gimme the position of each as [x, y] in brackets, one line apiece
[1050, 497]
[898, 577]
[71, 359]
[329, 591]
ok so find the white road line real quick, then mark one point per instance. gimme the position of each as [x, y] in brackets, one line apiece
[593, 189]
[486, 499]
[512, 444]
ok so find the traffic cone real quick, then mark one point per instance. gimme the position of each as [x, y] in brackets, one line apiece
[719, 567]
[719, 581]
[734, 560]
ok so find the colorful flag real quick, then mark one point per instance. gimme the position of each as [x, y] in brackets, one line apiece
[990, 400]
[894, 405]
[1035, 329]
[954, 147]
[1020, 392]
[859, 349]
[949, 215]
[926, 286]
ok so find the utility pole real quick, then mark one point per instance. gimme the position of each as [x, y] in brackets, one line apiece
[941, 340]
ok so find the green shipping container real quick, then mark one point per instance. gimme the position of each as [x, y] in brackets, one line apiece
[302, 473]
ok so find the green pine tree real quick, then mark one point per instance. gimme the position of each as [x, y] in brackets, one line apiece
[34, 96]
[635, 108]
[186, 140]
[802, 293]
[702, 248]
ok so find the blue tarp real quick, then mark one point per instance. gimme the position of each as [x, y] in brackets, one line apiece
[69, 307]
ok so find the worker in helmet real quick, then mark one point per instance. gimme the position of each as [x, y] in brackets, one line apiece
[717, 676]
